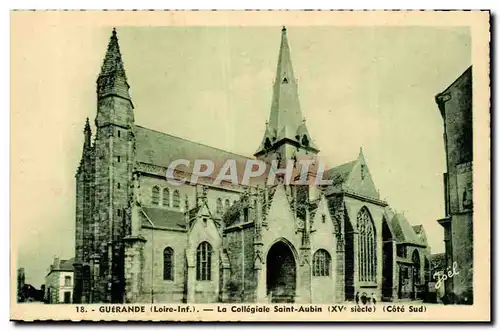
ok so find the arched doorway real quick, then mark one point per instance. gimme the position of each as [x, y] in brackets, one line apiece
[281, 273]
[388, 262]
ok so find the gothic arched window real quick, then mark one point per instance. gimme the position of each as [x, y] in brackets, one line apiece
[367, 258]
[166, 197]
[168, 264]
[176, 199]
[218, 209]
[155, 195]
[321, 263]
[204, 261]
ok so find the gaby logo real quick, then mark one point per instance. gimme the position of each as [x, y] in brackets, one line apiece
[295, 172]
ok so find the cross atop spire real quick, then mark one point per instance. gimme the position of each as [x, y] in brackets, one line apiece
[285, 120]
[112, 79]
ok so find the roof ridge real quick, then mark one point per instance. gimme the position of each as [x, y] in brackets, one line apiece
[163, 208]
[342, 164]
[193, 141]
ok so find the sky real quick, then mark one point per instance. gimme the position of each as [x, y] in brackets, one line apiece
[358, 86]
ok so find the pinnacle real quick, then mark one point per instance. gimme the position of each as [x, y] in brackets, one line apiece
[87, 133]
[87, 125]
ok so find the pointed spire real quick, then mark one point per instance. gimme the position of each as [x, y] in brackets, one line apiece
[361, 155]
[285, 120]
[285, 89]
[112, 79]
[87, 131]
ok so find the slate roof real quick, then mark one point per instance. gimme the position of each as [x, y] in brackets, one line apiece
[162, 217]
[66, 265]
[157, 148]
[403, 231]
[339, 173]
[389, 215]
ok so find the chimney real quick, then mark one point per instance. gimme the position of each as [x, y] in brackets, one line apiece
[57, 263]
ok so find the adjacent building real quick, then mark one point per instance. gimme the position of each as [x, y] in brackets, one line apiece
[59, 282]
[455, 106]
[437, 270]
[139, 238]
[21, 279]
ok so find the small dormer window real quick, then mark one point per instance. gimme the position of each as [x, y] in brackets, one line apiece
[118, 133]
[323, 218]
[285, 81]
[305, 140]
[267, 143]
[363, 171]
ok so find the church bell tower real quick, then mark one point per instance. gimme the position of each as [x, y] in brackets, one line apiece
[286, 136]
[114, 156]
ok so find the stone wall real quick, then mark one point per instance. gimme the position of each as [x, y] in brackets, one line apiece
[455, 105]
[242, 282]
[114, 158]
[323, 288]
[156, 288]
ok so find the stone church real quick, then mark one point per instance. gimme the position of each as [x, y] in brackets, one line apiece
[141, 239]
